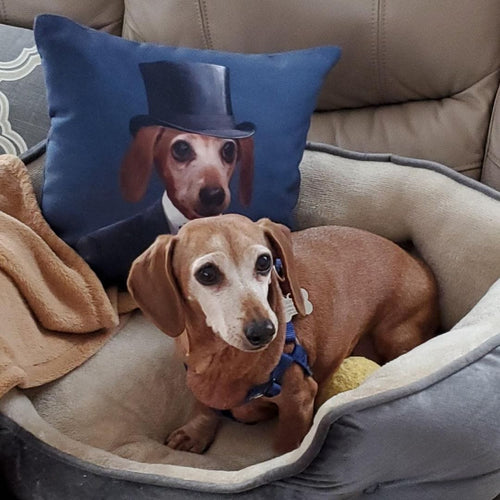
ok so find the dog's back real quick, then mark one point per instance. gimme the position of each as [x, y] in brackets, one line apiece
[367, 293]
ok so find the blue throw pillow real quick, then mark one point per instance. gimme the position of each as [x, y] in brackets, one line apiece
[104, 92]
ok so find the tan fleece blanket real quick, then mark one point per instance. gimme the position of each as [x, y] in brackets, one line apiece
[54, 312]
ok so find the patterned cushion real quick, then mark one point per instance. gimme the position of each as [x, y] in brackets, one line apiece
[24, 119]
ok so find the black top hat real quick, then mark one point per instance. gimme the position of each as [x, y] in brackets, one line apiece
[193, 97]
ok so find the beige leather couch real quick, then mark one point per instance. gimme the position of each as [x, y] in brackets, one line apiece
[418, 78]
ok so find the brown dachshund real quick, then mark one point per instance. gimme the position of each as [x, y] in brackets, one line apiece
[214, 287]
[194, 168]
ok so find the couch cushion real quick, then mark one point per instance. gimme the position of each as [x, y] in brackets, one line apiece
[452, 130]
[393, 52]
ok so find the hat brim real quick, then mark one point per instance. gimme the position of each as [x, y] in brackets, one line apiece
[240, 131]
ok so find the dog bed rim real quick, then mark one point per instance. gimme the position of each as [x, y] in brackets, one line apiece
[326, 417]
[405, 161]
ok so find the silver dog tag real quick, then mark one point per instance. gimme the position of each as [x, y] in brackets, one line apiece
[290, 310]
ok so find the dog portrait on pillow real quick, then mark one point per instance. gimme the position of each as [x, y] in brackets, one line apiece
[190, 137]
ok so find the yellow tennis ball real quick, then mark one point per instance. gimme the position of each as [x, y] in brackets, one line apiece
[349, 375]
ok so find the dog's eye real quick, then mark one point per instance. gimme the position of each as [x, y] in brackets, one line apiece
[228, 151]
[182, 151]
[263, 263]
[208, 275]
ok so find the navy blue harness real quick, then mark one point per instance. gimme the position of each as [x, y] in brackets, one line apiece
[272, 387]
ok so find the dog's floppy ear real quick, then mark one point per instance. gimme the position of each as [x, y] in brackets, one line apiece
[137, 163]
[281, 242]
[275, 297]
[152, 284]
[246, 160]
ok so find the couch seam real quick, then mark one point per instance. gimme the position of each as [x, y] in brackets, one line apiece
[471, 164]
[468, 166]
[493, 158]
[110, 25]
[375, 45]
[126, 23]
[382, 14]
[204, 24]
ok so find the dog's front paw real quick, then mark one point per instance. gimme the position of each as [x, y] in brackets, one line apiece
[187, 439]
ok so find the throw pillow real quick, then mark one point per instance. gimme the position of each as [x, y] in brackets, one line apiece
[116, 107]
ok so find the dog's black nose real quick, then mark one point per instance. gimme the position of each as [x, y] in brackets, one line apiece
[259, 332]
[212, 197]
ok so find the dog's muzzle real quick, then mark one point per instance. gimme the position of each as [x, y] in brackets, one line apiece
[259, 332]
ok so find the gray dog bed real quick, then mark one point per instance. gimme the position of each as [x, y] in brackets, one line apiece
[425, 426]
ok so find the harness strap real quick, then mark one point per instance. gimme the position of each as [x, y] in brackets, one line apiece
[272, 387]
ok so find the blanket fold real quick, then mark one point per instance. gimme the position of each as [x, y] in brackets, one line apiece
[54, 312]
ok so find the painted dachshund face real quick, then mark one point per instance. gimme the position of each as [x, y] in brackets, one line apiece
[195, 169]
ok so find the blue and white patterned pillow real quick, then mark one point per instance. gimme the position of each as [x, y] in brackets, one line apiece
[24, 119]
